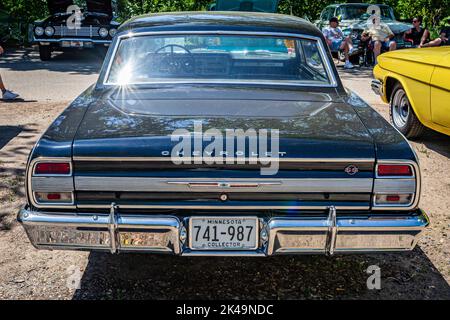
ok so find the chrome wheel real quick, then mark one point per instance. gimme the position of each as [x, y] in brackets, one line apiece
[400, 109]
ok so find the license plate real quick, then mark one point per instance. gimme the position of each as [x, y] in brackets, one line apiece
[76, 44]
[223, 233]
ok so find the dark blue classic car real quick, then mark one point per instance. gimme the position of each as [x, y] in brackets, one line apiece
[222, 133]
[67, 28]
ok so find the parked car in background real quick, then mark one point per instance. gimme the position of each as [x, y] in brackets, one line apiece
[353, 21]
[416, 84]
[97, 27]
[108, 174]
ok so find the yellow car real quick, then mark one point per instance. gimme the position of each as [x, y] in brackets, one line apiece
[416, 84]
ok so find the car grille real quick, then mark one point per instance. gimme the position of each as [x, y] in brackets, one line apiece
[64, 31]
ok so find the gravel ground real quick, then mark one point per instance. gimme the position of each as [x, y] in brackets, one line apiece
[26, 273]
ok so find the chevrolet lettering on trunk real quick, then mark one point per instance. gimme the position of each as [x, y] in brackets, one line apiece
[223, 134]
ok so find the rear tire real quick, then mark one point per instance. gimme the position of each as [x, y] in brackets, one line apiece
[45, 53]
[402, 114]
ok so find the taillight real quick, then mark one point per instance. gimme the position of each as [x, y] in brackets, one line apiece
[52, 168]
[53, 197]
[394, 170]
[393, 199]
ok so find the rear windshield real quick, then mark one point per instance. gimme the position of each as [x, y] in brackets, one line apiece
[212, 58]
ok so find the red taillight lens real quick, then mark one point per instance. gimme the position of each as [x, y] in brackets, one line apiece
[391, 170]
[52, 168]
[393, 198]
[54, 196]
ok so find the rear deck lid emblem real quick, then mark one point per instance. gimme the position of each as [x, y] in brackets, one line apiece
[351, 170]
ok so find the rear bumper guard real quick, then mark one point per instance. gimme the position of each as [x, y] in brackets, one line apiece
[167, 234]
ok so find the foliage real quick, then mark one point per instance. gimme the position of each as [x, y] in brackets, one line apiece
[432, 11]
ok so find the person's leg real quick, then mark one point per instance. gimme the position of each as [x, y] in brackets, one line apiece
[435, 43]
[2, 86]
[376, 50]
[345, 48]
[350, 43]
[6, 94]
[392, 46]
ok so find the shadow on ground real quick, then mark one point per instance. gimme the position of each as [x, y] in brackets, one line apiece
[7, 133]
[139, 276]
[357, 72]
[84, 62]
[437, 142]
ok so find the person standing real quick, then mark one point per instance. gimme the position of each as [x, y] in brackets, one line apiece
[418, 35]
[337, 41]
[6, 94]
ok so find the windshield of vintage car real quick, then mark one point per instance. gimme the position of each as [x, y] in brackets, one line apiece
[360, 12]
[213, 58]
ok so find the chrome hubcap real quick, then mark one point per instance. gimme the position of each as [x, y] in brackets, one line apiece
[400, 108]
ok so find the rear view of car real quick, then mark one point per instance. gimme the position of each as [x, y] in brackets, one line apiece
[220, 134]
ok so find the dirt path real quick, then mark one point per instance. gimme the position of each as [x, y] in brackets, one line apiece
[26, 273]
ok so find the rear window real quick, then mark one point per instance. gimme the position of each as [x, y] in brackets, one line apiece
[218, 58]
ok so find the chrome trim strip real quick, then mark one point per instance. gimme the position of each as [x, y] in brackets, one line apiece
[52, 184]
[333, 82]
[143, 184]
[192, 159]
[402, 186]
[223, 184]
[221, 207]
[215, 253]
[417, 176]
[73, 39]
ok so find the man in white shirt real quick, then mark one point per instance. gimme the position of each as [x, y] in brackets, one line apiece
[381, 36]
[337, 41]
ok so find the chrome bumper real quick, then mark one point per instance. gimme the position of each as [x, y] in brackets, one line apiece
[61, 40]
[377, 87]
[167, 234]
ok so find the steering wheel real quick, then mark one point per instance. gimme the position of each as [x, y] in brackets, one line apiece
[171, 46]
[174, 65]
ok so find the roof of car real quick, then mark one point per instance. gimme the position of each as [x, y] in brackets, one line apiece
[220, 20]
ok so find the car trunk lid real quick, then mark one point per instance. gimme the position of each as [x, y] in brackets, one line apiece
[123, 145]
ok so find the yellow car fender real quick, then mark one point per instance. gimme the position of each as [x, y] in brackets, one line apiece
[418, 92]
